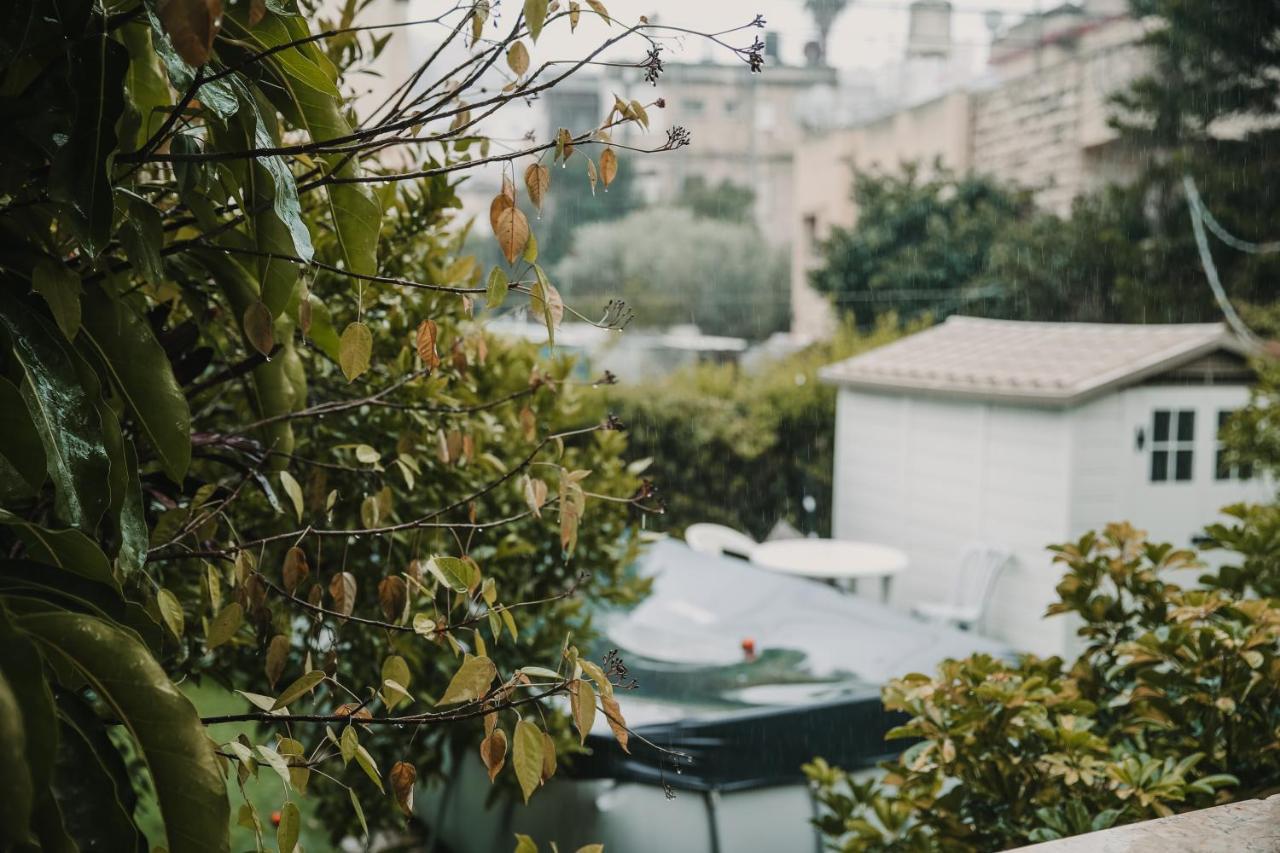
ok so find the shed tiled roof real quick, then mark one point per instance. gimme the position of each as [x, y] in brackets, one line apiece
[1037, 363]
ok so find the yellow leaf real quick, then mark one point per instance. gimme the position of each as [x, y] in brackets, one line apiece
[599, 9]
[471, 681]
[294, 491]
[289, 828]
[518, 58]
[535, 15]
[548, 756]
[355, 349]
[583, 704]
[297, 689]
[527, 757]
[224, 625]
[512, 232]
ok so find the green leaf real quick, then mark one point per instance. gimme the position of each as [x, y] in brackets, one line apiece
[60, 287]
[294, 491]
[355, 804]
[496, 290]
[525, 844]
[348, 744]
[92, 783]
[160, 719]
[142, 234]
[302, 686]
[19, 441]
[355, 350]
[141, 371]
[470, 682]
[290, 827]
[451, 572]
[17, 794]
[395, 669]
[535, 15]
[81, 173]
[225, 625]
[369, 766]
[526, 757]
[64, 416]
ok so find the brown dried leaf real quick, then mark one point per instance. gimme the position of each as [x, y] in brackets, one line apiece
[192, 26]
[402, 776]
[501, 202]
[351, 709]
[608, 167]
[295, 569]
[342, 589]
[258, 329]
[277, 655]
[493, 752]
[393, 595]
[548, 756]
[257, 11]
[427, 336]
[512, 233]
[613, 715]
[528, 423]
[592, 176]
[537, 180]
[582, 702]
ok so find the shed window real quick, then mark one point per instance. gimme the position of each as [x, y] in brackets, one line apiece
[1173, 435]
[1222, 469]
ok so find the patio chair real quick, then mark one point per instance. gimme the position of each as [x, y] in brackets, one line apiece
[980, 568]
[718, 539]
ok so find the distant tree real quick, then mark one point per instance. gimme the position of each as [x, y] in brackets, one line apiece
[673, 267]
[573, 205]
[922, 245]
[726, 200]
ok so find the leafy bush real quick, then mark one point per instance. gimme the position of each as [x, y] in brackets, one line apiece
[1174, 704]
[740, 447]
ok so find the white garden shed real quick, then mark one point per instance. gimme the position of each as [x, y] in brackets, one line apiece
[1018, 435]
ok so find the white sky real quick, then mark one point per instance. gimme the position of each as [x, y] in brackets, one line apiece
[868, 34]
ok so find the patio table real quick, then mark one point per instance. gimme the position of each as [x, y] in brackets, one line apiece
[835, 560]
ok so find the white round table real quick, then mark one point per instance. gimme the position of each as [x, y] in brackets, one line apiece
[833, 560]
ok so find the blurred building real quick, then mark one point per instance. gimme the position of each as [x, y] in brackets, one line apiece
[744, 127]
[1037, 117]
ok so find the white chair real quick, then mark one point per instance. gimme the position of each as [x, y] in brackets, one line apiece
[980, 568]
[718, 539]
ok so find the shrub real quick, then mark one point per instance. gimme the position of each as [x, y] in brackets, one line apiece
[1174, 704]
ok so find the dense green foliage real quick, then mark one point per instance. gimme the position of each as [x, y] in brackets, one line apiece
[253, 437]
[743, 447]
[960, 243]
[1174, 704]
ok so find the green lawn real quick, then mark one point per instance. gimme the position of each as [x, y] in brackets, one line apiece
[266, 792]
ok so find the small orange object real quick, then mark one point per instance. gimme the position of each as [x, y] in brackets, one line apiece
[749, 648]
[275, 818]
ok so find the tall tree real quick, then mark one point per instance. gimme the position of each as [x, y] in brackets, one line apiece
[252, 435]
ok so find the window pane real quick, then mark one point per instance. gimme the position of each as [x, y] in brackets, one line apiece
[1221, 470]
[1161, 431]
[1186, 425]
[1246, 470]
[1223, 414]
[1159, 466]
[1182, 465]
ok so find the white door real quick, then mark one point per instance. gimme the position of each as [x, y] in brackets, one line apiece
[1178, 478]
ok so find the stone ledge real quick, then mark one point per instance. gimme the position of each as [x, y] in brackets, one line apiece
[1249, 826]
